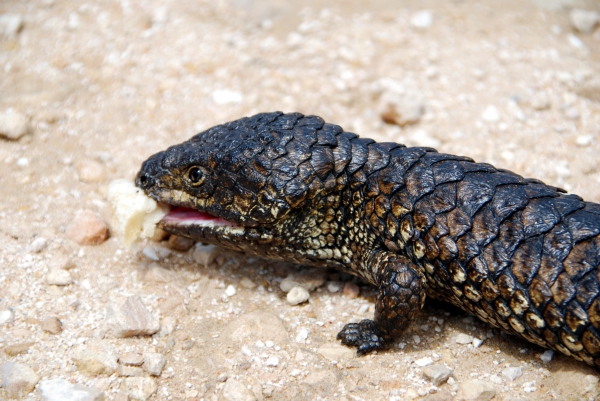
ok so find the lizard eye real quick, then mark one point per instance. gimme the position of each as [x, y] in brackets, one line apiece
[196, 175]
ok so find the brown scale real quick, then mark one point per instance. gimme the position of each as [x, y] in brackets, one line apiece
[518, 254]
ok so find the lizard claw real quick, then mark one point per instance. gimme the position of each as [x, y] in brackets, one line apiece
[366, 336]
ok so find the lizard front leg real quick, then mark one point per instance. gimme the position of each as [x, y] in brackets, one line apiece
[401, 297]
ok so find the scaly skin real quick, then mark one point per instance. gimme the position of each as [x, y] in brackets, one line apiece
[516, 253]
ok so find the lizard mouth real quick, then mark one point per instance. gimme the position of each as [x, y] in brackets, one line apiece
[184, 216]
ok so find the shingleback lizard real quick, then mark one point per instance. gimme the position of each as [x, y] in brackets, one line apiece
[516, 253]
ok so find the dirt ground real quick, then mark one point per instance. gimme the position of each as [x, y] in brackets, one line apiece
[105, 84]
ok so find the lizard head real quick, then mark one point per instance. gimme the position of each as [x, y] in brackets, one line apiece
[250, 177]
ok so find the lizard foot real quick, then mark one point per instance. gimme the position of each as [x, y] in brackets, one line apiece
[366, 335]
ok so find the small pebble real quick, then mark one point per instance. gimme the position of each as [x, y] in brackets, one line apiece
[10, 24]
[491, 114]
[180, 243]
[421, 20]
[236, 391]
[351, 290]
[98, 357]
[540, 101]
[438, 374]
[424, 362]
[334, 286]
[310, 281]
[584, 140]
[336, 352]
[130, 371]
[205, 254]
[38, 245]
[583, 20]
[477, 342]
[52, 325]
[87, 228]
[6, 316]
[17, 349]
[128, 317]
[62, 390]
[131, 359]
[512, 373]
[575, 42]
[302, 335]
[188, 344]
[59, 277]
[90, 171]
[297, 295]
[547, 355]
[154, 363]
[226, 96]
[463, 338]
[477, 390]
[18, 379]
[247, 283]
[272, 361]
[401, 108]
[13, 125]
[139, 388]
[230, 290]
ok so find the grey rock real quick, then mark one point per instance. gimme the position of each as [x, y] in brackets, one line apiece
[583, 20]
[476, 390]
[61, 390]
[97, 357]
[297, 295]
[128, 317]
[154, 362]
[130, 371]
[237, 391]
[512, 373]
[547, 355]
[205, 254]
[13, 125]
[139, 388]
[437, 374]
[18, 379]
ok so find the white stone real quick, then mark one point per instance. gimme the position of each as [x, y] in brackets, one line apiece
[302, 335]
[59, 277]
[6, 316]
[272, 361]
[154, 362]
[297, 295]
[424, 362]
[512, 373]
[421, 20]
[128, 317]
[61, 390]
[477, 342]
[401, 108]
[167, 326]
[13, 125]
[491, 114]
[463, 338]
[230, 291]
[38, 244]
[583, 20]
[205, 254]
[18, 379]
[334, 286]
[226, 96]
[10, 24]
[547, 355]
[584, 140]
[575, 41]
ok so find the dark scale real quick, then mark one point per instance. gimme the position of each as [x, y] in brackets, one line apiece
[516, 253]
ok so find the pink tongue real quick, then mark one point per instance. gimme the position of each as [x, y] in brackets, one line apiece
[184, 214]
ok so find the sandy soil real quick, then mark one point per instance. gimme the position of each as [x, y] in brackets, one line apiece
[107, 83]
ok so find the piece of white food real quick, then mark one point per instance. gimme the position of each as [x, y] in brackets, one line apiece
[135, 215]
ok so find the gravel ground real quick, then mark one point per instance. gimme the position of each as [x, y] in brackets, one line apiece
[91, 89]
